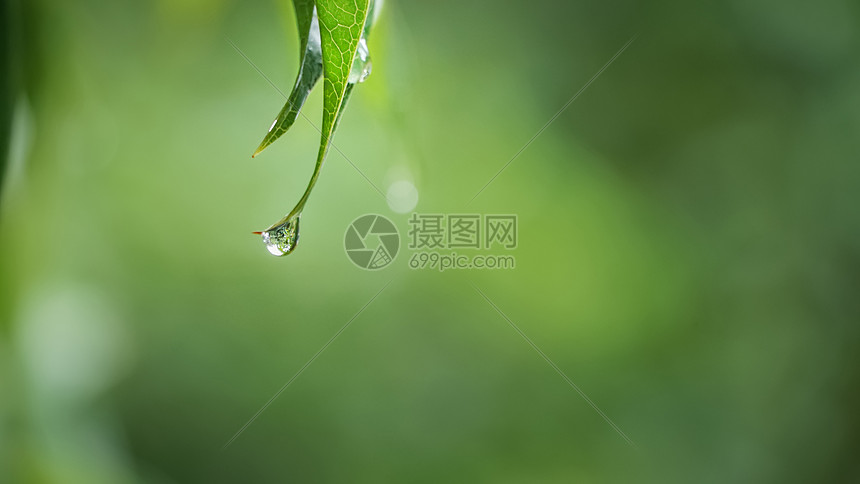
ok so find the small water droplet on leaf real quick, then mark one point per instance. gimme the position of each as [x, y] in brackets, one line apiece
[282, 238]
[361, 66]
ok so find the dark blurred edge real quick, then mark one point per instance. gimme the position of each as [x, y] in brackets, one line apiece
[11, 78]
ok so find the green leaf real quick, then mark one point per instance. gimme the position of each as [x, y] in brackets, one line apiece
[310, 70]
[341, 24]
[373, 12]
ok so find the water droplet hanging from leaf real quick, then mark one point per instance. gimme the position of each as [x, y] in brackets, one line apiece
[282, 239]
[333, 42]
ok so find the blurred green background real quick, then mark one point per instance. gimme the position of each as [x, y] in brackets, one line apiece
[689, 246]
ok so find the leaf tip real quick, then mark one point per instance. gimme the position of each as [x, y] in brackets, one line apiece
[259, 150]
